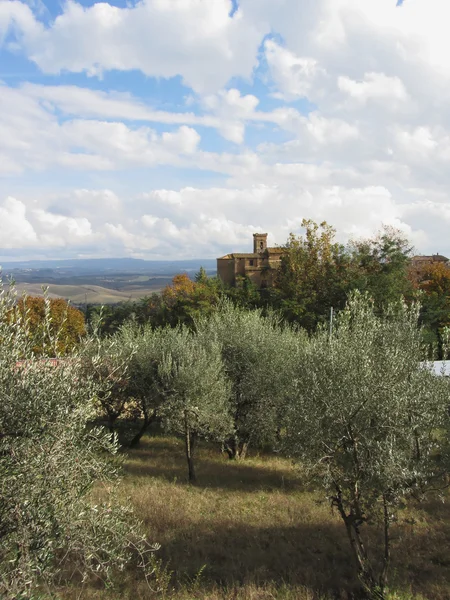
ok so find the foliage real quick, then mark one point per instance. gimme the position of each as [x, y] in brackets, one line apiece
[49, 461]
[246, 294]
[106, 320]
[107, 361]
[53, 325]
[433, 283]
[185, 300]
[365, 420]
[197, 391]
[257, 353]
[148, 347]
[382, 266]
[314, 275]
[317, 273]
[178, 303]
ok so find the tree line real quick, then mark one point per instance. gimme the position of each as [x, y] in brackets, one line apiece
[316, 274]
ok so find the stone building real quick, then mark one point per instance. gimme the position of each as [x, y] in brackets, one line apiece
[419, 263]
[259, 266]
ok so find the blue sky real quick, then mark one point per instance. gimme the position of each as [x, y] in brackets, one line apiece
[177, 128]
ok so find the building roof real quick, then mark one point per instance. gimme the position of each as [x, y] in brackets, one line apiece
[252, 254]
[239, 255]
[432, 258]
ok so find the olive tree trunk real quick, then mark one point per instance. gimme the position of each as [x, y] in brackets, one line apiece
[148, 420]
[190, 438]
[236, 448]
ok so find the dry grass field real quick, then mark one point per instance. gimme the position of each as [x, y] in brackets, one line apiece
[92, 294]
[254, 531]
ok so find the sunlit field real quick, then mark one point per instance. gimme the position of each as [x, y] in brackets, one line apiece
[253, 531]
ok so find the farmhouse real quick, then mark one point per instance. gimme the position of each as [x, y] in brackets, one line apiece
[259, 266]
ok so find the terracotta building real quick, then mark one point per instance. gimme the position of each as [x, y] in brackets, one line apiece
[259, 266]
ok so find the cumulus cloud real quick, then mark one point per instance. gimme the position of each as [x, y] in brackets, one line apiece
[34, 136]
[23, 227]
[16, 229]
[195, 222]
[294, 76]
[346, 119]
[198, 40]
[375, 87]
[232, 111]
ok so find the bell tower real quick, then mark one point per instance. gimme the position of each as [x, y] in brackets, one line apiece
[259, 243]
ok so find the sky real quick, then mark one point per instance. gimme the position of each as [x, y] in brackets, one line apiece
[171, 129]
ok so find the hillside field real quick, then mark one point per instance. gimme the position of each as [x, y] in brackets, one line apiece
[92, 294]
[253, 530]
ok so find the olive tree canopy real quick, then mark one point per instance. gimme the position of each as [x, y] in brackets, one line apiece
[196, 389]
[258, 353]
[367, 420]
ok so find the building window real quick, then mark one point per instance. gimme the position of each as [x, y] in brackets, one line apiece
[251, 262]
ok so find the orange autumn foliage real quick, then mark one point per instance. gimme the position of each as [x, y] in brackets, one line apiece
[434, 278]
[181, 286]
[66, 323]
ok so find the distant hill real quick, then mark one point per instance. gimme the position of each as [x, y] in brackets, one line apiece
[100, 280]
[101, 265]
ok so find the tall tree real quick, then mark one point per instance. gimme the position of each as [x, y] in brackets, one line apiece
[367, 421]
[382, 266]
[185, 300]
[314, 276]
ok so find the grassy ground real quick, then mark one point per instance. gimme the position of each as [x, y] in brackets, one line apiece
[252, 531]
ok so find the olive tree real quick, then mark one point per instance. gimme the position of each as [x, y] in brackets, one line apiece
[107, 360]
[259, 355]
[49, 461]
[147, 347]
[196, 390]
[366, 420]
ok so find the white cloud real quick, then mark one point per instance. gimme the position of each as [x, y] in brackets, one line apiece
[16, 231]
[122, 145]
[232, 111]
[194, 222]
[183, 141]
[162, 38]
[295, 76]
[61, 226]
[33, 136]
[376, 87]
[371, 145]
[87, 103]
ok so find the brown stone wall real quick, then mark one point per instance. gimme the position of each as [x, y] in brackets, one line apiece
[239, 268]
[225, 270]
